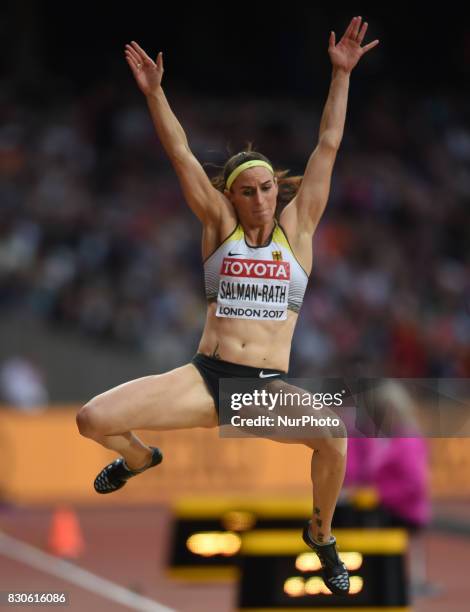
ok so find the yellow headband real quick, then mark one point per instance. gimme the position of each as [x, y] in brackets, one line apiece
[249, 164]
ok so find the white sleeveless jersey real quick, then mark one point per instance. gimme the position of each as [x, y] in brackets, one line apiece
[257, 283]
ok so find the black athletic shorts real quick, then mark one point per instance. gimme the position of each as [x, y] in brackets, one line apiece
[212, 370]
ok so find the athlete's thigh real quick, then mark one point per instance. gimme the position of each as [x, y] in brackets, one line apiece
[325, 431]
[177, 399]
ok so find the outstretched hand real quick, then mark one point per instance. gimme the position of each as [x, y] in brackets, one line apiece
[348, 51]
[147, 73]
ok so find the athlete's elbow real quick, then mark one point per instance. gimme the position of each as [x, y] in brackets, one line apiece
[331, 140]
[179, 154]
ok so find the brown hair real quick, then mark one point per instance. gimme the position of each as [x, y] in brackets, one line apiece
[288, 185]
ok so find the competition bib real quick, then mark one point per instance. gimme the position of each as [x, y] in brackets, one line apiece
[253, 289]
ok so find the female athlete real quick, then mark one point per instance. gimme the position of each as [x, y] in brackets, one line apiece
[256, 270]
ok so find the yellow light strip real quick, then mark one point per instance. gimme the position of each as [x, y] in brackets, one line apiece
[208, 507]
[204, 574]
[289, 542]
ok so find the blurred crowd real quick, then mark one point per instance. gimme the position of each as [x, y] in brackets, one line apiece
[95, 235]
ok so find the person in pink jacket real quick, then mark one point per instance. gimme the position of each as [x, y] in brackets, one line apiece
[396, 466]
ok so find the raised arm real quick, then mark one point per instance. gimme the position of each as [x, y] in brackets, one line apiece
[204, 200]
[306, 209]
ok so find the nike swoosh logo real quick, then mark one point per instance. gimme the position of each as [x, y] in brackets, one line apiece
[230, 254]
[263, 375]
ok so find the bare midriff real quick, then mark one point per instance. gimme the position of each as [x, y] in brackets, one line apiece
[260, 344]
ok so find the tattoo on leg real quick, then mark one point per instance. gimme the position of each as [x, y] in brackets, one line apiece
[215, 354]
[319, 523]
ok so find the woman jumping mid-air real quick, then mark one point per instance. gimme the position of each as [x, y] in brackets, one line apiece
[237, 213]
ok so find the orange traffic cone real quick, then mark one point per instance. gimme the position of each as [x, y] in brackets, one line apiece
[65, 536]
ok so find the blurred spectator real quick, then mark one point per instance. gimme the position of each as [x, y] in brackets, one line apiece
[396, 468]
[22, 385]
[95, 235]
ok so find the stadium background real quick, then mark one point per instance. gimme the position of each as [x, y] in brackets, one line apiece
[100, 279]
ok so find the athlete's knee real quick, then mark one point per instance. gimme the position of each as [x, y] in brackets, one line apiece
[338, 446]
[334, 447]
[89, 419]
[340, 432]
